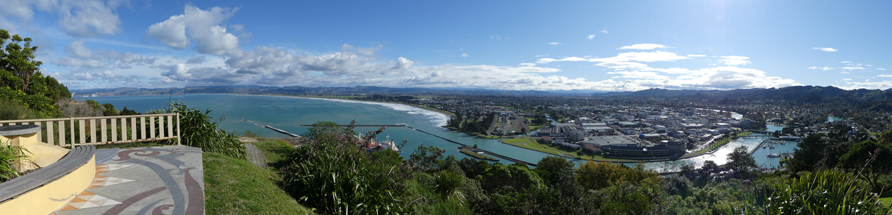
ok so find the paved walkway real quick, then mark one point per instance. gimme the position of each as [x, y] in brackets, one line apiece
[155, 180]
[255, 155]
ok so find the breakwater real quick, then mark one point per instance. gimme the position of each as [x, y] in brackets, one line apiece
[281, 131]
[465, 145]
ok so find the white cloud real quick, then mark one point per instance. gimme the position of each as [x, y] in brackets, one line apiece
[644, 46]
[826, 49]
[622, 57]
[77, 49]
[196, 60]
[604, 31]
[554, 43]
[846, 62]
[464, 54]
[638, 75]
[73, 62]
[590, 37]
[820, 68]
[78, 18]
[734, 60]
[86, 18]
[527, 64]
[622, 65]
[203, 27]
[852, 68]
[882, 69]
[696, 55]
[19, 9]
[885, 75]
[845, 73]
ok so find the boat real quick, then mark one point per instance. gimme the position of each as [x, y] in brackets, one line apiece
[773, 155]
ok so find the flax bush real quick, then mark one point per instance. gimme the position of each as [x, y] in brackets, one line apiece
[334, 175]
[10, 156]
[830, 191]
[200, 131]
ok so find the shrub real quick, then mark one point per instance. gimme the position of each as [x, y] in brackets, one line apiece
[333, 175]
[199, 131]
[12, 110]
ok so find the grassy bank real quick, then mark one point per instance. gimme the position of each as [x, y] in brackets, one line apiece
[468, 152]
[531, 144]
[234, 186]
[716, 144]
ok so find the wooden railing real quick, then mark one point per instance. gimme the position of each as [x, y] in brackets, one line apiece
[75, 131]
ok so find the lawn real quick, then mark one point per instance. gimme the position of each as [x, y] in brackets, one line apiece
[527, 143]
[234, 186]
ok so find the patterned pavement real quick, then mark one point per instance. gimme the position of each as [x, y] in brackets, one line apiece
[155, 180]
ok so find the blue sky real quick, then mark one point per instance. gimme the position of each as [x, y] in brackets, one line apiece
[510, 45]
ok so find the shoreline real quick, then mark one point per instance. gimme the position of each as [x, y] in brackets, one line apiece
[450, 115]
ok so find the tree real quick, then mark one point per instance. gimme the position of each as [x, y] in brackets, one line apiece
[741, 160]
[109, 110]
[19, 59]
[709, 165]
[810, 151]
[870, 160]
[594, 175]
[20, 80]
[553, 165]
[502, 178]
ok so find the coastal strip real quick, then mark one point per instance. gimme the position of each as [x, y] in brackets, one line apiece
[484, 151]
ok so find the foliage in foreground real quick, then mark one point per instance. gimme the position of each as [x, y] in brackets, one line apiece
[332, 174]
[829, 191]
[335, 175]
[10, 157]
[200, 131]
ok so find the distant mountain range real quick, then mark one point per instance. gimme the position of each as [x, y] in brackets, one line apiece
[298, 90]
[805, 94]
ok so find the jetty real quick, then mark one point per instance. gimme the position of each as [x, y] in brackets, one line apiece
[465, 145]
[396, 125]
[281, 131]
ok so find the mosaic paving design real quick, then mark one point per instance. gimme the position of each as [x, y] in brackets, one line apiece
[157, 180]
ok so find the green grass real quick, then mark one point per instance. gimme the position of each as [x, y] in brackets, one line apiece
[478, 156]
[887, 201]
[235, 186]
[527, 143]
